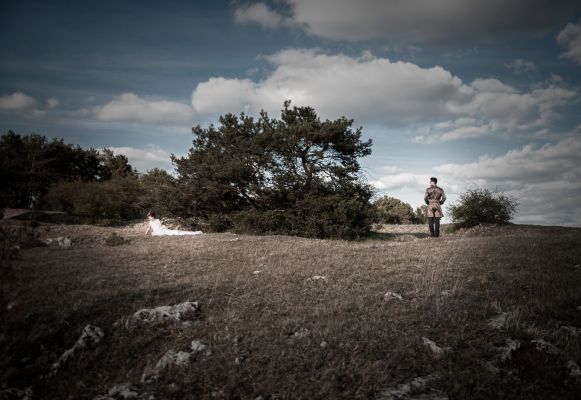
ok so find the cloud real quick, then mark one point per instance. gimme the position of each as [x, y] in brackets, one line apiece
[20, 103]
[146, 158]
[417, 20]
[259, 13]
[570, 38]
[520, 66]
[546, 179]
[130, 108]
[393, 94]
[52, 103]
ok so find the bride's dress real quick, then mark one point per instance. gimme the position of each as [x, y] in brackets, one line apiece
[158, 229]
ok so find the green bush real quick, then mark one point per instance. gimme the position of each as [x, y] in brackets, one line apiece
[115, 199]
[389, 210]
[481, 206]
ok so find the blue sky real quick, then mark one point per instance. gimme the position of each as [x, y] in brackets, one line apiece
[475, 93]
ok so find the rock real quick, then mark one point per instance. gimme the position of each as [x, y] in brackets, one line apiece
[90, 337]
[506, 351]
[436, 350]
[301, 333]
[199, 347]
[170, 359]
[59, 241]
[392, 295]
[571, 330]
[574, 370]
[416, 389]
[546, 347]
[445, 293]
[319, 278]
[256, 272]
[178, 312]
[323, 344]
[124, 391]
[17, 394]
[234, 240]
[499, 322]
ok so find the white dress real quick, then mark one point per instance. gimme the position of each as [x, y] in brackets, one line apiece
[158, 229]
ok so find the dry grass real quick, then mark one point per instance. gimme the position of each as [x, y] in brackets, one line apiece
[451, 286]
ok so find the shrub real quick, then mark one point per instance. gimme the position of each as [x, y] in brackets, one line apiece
[115, 199]
[481, 206]
[389, 210]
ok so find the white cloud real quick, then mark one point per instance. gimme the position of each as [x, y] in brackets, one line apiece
[130, 108]
[259, 13]
[20, 103]
[419, 20]
[53, 103]
[545, 179]
[570, 38]
[520, 66]
[149, 157]
[17, 101]
[393, 94]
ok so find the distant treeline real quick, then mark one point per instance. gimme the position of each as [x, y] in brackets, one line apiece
[295, 175]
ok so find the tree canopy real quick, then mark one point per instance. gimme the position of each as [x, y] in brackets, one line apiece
[297, 174]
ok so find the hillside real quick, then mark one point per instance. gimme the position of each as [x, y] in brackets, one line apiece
[488, 313]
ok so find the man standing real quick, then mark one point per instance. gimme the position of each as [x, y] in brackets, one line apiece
[434, 197]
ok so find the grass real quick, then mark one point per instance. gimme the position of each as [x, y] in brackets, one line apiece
[353, 345]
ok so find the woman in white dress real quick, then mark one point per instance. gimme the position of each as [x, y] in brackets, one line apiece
[158, 229]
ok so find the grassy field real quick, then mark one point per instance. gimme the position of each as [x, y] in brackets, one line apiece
[275, 332]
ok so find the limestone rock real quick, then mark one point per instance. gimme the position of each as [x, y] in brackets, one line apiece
[392, 295]
[90, 337]
[416, 389]
[178, 312]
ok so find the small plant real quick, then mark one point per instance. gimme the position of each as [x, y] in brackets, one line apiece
[481, 206]
[116, 240]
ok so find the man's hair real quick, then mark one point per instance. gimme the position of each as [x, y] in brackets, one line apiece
[151, 214]
[434, 179]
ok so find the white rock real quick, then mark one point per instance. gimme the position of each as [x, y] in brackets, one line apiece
[17, 394]
[301, 333]
[436, 350]
[199, 347]
[574, 370]
[571, 330]
[318, 278]
[234, 240]
[506, 351]
[417, 388]
[89, 338]
[498, 322]
[123, 390]
[59, 241]
[392, 295]
[323, 344]
[171, 358]
[544, 346]
[256, 272]
[177, 312]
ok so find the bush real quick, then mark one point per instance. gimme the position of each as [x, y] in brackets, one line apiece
[115, 199]
[481, 206]
[389, 210]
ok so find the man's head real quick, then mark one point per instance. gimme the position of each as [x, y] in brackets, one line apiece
[433, 181]
[150, 215]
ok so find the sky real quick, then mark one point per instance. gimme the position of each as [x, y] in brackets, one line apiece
[478, 94]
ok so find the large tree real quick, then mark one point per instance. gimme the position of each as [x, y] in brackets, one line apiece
[299, 170]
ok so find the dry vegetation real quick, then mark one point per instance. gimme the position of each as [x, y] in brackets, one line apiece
[281, 335]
